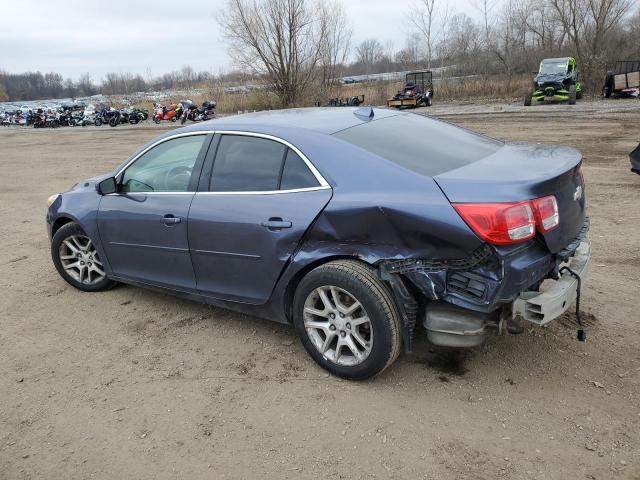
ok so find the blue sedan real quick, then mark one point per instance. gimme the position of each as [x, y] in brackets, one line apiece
[353, 224]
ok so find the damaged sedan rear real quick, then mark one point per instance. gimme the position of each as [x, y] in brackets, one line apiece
[355, 225]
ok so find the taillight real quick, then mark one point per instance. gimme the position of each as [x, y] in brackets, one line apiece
[499, 223]
[508, 223]
[546, 213]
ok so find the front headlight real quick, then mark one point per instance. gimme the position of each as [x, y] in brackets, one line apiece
[52, 199]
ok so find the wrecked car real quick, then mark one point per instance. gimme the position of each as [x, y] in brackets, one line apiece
[342, 222]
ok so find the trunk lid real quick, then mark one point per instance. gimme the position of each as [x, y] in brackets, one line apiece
[519, 172]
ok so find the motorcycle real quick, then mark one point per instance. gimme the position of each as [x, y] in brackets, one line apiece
[195, 114]
[40, 119]
[171, 113]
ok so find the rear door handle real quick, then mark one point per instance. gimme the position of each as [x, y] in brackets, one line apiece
[276, 223]
[170, 220]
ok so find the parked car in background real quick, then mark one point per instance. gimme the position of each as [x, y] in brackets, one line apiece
[343, 222]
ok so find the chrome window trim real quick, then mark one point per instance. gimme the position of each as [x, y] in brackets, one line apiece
[310, 166]
[324, 185]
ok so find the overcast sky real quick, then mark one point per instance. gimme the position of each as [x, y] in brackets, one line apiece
[76, 36]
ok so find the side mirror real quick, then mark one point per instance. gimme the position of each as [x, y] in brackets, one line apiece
[107, 186]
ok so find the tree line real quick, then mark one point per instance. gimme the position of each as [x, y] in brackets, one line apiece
[301, 47]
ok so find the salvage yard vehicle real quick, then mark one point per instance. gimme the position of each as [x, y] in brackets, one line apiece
[558, 79]
[624, 79]
[351, 101]
[417, 91]
[343, 222]
[634, 158]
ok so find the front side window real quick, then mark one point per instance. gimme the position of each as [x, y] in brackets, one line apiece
[167, 167]
[254, 164]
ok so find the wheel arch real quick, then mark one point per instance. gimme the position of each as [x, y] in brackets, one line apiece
[294, 281]
[60, 222]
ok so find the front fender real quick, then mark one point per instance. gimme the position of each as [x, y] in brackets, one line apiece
[80, 205]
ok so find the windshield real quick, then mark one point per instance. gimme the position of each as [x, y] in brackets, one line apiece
[553, 67]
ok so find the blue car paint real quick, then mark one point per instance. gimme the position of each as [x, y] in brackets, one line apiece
[376, 211]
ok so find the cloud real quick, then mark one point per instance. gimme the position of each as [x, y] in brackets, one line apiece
[77, 36]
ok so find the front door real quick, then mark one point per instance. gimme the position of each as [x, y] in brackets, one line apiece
[143, 227]
[260, 200]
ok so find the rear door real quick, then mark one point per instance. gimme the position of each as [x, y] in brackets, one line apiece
[143, 226]
[248, 217]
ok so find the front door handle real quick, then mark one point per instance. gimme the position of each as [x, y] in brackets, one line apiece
[276, 223]
[169, 220]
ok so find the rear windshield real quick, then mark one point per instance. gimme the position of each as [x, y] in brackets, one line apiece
[424, 145]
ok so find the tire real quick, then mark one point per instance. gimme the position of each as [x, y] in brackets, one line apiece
[527, 97]
[579, 94]
[156, 120]
[133, 120]
[572, 95]
[428, 101]
[183, 120]
[93, 281]
[97, 122]
[351, 281]
[113, 122]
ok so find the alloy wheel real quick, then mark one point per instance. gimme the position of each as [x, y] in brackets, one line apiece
[338, 325]
[80, 260]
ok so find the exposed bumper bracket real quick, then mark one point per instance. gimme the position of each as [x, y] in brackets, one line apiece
[543, 307]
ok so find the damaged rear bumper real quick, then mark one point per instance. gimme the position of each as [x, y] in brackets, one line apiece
[543, 307]
[467, 299]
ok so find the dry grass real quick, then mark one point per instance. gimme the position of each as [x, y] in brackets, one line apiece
[375, 93]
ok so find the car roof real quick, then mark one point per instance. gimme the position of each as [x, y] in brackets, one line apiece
[326, 120]
[556, 60]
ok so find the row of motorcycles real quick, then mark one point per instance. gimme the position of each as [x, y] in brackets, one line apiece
[183, 111]
[68, 116]
[71, 116]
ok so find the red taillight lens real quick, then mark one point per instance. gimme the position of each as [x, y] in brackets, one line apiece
[499, 223]
[546, 213]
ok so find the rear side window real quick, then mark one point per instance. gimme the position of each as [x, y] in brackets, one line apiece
[253, 164]
[246, 164]
[424, 145]
[296, 174]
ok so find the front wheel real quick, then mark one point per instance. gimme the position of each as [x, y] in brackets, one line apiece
[76, 259]
[347, 319]
[572, 95]
[97, 122]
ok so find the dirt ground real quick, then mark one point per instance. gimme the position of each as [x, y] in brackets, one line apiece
[134, 384]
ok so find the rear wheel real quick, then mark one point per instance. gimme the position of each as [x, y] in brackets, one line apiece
[572, 95]
[97, 122]
[74, 256]
[347, 319]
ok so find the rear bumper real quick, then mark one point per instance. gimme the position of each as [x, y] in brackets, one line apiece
[543, 307]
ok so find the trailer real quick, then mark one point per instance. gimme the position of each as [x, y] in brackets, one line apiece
[624, 79]
[417, 91]
[352, 101]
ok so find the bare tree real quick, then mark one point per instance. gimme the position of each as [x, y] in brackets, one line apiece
[283, 40]
[431, 19]
[335, 40]
[369, 52]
